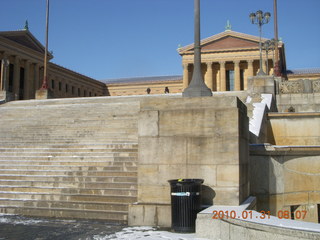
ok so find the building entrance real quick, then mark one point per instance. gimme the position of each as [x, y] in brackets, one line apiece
[230, 80]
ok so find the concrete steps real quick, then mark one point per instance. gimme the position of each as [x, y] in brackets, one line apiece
[56, 184]
[68, 190]
[67, 204]
[118, 216]
[71, 158]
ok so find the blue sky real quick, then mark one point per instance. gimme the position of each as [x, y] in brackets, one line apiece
[107, 39]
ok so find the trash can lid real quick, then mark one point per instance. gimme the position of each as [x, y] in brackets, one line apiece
[186, 180]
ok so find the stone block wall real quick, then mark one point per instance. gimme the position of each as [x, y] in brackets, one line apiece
[261, 84]
[299, 96]
[191, 138]
[299, 129]
[298, 102]
[286, 179]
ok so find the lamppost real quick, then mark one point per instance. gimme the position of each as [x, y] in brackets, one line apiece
[267, 45]
[260, 19]
[270, 45]
[45, 73]
[197, 87]
[277, 70]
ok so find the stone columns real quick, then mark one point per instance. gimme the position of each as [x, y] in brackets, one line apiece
[36, 76]
[1, 76]
[223, 76]
[249, 74]
[208, 76]
[185, 75]
[4, 83]
[32, 81]
[26, 80]
[250, 68]
[237, 84]
[4, 74]
[266, 67]
[16, 78]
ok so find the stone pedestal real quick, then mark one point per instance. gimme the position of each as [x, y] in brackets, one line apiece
[6, 96]
[44, 94]
[261, 84]
[199, 137]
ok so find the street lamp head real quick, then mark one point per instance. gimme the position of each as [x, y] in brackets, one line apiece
[267, 16]
[252, 17]
[268, 45]
[259, 15]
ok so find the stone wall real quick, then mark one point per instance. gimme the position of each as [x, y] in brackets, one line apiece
[299, 96]
[298, 102]
[300, 86]
[286, 178]
[190, 138]
[294, 128]
[238, 229]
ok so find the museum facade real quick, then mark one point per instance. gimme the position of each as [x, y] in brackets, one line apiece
[22, 68]
[228, 59]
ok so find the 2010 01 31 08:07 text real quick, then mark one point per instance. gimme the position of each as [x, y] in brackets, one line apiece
[248, 214]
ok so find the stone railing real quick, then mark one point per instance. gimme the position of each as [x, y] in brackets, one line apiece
[242, 223]
[316, 86]
[300, 86]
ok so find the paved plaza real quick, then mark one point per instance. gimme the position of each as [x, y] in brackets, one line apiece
[14, 227]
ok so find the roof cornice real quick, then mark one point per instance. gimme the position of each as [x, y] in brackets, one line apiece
[185, 49]
[26, 33]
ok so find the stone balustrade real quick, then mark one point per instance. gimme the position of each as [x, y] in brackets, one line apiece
[299, 86]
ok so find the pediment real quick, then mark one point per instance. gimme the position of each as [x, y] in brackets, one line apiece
[24, 38]
[225, 41]
[229, 42]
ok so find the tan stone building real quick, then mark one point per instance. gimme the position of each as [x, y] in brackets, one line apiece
[298, 74]
[228, 59]
[21, 56]
[140, 85]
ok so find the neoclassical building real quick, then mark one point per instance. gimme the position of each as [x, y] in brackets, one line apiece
[228, 59]
[21, 71]
[142, 85]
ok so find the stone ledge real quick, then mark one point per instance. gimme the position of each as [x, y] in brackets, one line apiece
[255, 226]
[293, 115]
[146, 214]
[271, 150]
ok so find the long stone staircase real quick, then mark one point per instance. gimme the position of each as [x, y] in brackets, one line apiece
[70, 158]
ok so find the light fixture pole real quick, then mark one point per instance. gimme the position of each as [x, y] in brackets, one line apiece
[277, 71]
[45, 72]
[197, 87]
[268, 45]
[260, 19]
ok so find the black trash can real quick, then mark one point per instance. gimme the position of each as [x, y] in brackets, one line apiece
[185, 204]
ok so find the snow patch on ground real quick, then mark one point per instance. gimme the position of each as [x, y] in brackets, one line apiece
[7, 218]
[147, 233]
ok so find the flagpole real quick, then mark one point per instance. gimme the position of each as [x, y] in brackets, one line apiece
[45, 74]
[276, 67]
